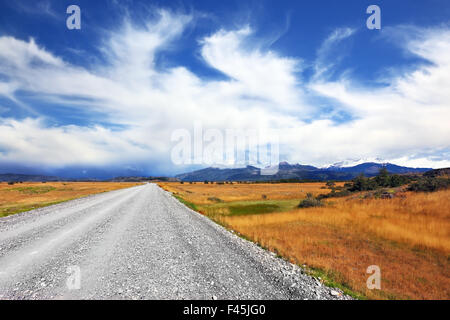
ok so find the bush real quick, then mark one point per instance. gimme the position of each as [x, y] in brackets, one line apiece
[310, 201]
[382, 180]
[429, 184]
[215, 199]
[330, 184]
[11, 182]
[334, 194]
[396, 181]
[361, 183]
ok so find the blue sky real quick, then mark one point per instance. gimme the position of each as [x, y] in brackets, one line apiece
[106, 99]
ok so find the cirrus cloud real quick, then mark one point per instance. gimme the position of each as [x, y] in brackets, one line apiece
[138, 105]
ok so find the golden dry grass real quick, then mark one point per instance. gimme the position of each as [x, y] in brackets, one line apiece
[30, 195]
[199, 193]
[408, 236]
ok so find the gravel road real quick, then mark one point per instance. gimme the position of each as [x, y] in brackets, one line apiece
[139, 243]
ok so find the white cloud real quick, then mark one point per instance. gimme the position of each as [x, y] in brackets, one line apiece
[328, 55]
[19, 55]
[408, 116]
[401, 121]
[264, 75]
[33, 142]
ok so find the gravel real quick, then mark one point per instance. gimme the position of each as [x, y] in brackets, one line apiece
[139, 243]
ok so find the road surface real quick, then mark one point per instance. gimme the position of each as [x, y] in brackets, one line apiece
[138, 243]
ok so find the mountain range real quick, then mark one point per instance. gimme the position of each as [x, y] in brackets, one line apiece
[288, 171]
[15, 177]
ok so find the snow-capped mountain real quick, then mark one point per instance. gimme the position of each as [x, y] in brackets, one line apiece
[345, 171]
[354, 162]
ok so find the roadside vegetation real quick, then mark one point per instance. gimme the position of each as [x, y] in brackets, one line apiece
[335, 230]
[25, 196]
[310, 201]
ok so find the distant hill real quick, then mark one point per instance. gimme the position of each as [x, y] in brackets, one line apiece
[14, 177]
[444, 172]
[372, 168]
[296, 172]
[141, 179]
[286, 172]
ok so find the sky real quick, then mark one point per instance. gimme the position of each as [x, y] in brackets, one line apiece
[106, 99]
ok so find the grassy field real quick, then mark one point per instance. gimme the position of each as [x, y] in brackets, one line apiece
[408, 236]
[25, 196]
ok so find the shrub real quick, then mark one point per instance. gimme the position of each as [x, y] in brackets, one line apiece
[10, 182]
[215, 199]
[310, 201]
[382, 180]
[361, 183]
[334, 194]
[429, 184]
[330, 184]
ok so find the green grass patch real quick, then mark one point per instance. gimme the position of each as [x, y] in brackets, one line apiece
[258, 208]
[186, 203]
[330, 280]
[247, 207]
[34, 190]
[4, 212]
